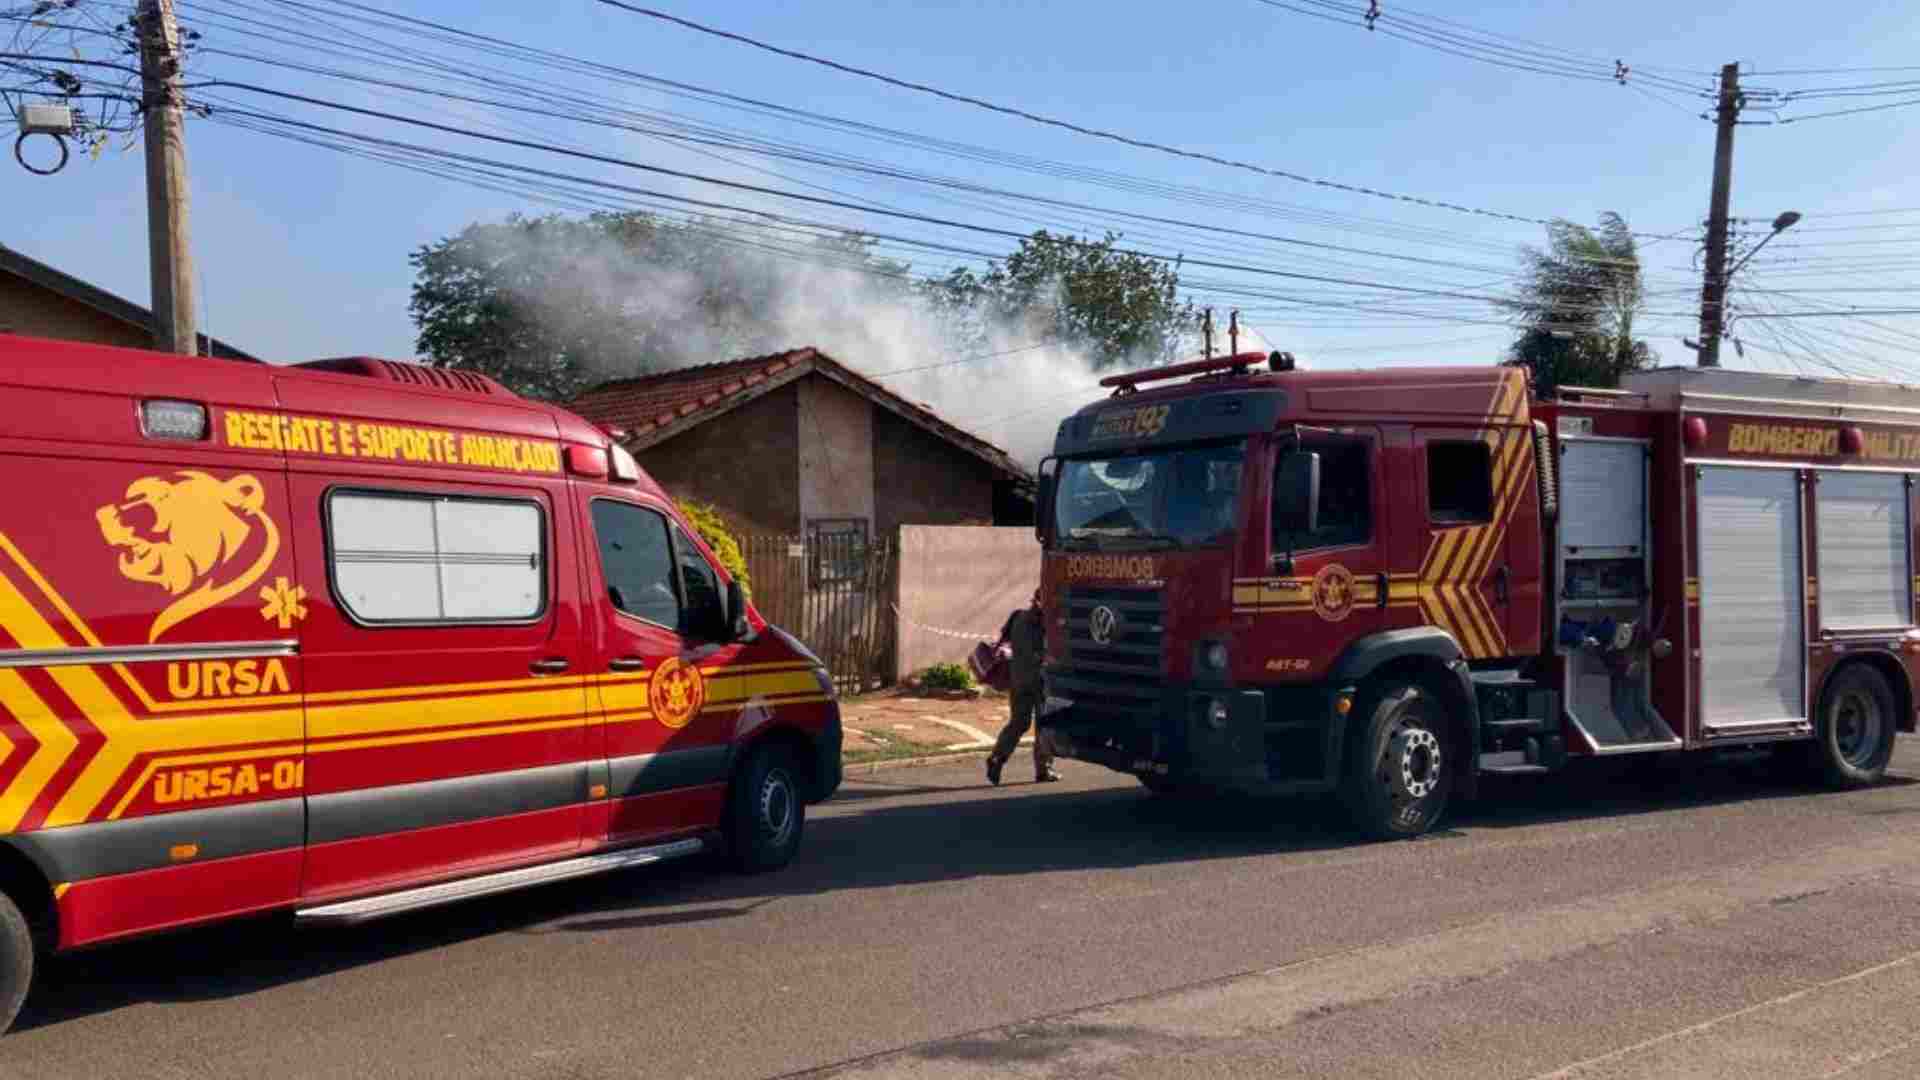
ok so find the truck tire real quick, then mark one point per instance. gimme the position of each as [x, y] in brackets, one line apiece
[16, 960]
[1853, 735]
[1398, 769]
[765, 813]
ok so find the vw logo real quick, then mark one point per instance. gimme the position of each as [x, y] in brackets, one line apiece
[1102, 623]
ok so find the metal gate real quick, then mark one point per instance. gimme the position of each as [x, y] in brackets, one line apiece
[832, 591]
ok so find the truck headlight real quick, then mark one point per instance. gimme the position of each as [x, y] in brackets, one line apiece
[1213, 656]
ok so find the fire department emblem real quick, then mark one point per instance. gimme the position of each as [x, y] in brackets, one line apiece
[677, 691]
[1103, 622]
[1333, 592]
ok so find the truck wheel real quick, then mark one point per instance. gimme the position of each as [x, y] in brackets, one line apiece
[16, 960]
[1853, 740]
[765, 813]
[1398, 772]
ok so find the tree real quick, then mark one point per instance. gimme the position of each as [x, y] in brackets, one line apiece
[1576, 307]
[1120, 307]
[552, 305]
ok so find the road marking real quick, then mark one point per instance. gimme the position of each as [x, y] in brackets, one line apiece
[1706, 1025]
[979, 738]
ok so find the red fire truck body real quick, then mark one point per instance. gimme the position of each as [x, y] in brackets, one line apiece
[1387, 584]
[352, 638]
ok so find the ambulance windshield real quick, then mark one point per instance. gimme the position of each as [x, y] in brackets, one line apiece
[1171, 498]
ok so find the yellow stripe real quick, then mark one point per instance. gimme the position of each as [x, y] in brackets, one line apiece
[56, 742]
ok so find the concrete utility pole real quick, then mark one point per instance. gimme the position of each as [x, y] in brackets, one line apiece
[1713, 292]
[169, 254]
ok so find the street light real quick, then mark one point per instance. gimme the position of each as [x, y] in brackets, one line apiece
[1780, 224]
[1713, 301]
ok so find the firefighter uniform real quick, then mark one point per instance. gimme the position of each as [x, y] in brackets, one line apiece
[1026, 631]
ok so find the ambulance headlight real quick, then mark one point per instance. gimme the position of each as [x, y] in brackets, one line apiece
[1213, 657]
[162, 419]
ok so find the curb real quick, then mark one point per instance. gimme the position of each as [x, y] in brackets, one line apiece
[864, 768]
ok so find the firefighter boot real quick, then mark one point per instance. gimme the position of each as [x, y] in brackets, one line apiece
[994, 765]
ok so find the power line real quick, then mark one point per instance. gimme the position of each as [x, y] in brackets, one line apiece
[1065, 125]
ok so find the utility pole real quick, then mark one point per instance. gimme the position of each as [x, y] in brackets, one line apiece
[170, 258]
[1713, 292]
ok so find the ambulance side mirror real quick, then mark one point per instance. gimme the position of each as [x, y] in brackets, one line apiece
[737, 625]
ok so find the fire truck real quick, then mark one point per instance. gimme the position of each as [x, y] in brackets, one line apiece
[352, 638]
[1390, 584]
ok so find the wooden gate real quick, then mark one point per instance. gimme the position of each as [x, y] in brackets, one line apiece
[833, 592]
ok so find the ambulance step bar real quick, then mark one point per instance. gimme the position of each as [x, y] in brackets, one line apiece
[349, 912]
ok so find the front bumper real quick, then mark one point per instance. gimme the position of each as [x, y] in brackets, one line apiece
[826, 756]
[1262, 740]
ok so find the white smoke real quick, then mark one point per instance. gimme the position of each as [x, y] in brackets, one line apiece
[996, 380]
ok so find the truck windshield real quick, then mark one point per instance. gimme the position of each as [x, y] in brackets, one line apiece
[1173, 498]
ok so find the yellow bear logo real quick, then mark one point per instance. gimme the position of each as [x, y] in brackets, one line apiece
[184, 533]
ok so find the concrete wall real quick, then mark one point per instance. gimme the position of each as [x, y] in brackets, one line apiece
[921, 479]
[743, 463]
[836, 452]
[26, 308]
[959, 578]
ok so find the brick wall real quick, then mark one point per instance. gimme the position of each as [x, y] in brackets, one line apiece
[26, 308]
[744, 463]
[921, 479]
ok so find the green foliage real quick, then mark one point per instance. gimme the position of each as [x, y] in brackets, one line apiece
[1121, 308]
[1576, 307]
[713, 529]
[947, 677]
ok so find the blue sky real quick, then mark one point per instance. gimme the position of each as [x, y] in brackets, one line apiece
[303, 251]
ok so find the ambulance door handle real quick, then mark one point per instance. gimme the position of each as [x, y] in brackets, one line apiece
[626, 663]
[1500, 585]
[550, 666]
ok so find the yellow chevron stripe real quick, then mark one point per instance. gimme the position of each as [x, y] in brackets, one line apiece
[56, 742]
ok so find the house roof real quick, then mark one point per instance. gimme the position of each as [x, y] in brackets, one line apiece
[654, 408]
[126, 311]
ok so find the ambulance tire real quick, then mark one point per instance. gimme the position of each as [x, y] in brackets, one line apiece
[1398, 775]
[765, 811]
[1853, 737]
[16, 960]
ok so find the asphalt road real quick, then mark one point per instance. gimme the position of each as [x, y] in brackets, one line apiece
[1702, 923]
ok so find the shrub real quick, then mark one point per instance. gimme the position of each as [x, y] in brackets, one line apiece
[713, 529]
[947, 677]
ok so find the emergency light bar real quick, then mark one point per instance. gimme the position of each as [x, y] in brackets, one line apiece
[1239, 363]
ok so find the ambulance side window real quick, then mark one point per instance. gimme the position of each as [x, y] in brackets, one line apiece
[637, 559]
[405, 558]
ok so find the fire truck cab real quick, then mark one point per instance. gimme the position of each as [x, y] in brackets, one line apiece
[352, 638]
[1388, 584]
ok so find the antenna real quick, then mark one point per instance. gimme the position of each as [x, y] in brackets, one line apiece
[1206, 331]
[1233, 333]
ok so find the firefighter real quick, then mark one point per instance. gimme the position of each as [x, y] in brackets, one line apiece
[1026, 631]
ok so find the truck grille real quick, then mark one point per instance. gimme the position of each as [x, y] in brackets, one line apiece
[1125, 673]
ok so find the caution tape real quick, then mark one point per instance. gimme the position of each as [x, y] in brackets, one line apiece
[964, 635]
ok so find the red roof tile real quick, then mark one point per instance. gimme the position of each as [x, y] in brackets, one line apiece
[651, 408]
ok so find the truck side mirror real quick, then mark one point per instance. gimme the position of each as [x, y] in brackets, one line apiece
[1043, 488]
[737, 625]
[1296, 495]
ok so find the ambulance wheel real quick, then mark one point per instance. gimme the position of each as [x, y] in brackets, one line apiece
[1398, 772]
[765, 812]
[1853, 740]
[16, 960]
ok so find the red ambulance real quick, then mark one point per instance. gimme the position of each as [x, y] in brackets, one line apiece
[351, 638]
